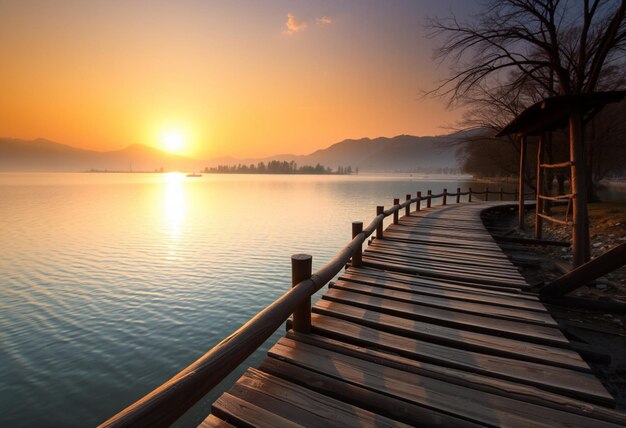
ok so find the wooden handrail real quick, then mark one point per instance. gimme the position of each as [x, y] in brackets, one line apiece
[165, 404]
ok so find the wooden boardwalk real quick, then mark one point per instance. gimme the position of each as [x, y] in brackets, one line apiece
[433, 329]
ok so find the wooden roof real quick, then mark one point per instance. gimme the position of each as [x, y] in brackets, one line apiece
[553, 112]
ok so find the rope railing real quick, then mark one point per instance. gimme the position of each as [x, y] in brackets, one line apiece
[168, 402]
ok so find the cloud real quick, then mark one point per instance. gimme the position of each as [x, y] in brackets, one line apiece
[324, 20]
[293, 25]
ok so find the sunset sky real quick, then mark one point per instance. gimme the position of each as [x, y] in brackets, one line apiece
[208, 78]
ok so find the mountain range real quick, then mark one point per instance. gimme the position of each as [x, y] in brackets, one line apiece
[401, 153]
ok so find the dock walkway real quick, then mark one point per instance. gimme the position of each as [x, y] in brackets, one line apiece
[433, 329]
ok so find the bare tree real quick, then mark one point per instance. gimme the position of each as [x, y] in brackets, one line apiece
[521, 51]
[559, 47]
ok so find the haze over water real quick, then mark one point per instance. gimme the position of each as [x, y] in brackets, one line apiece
[112, 283]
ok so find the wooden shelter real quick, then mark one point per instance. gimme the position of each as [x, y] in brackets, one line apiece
[540, 120]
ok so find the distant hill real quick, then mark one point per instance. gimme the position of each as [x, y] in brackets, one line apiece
[400, 153]
[403, 153]
[45, 155]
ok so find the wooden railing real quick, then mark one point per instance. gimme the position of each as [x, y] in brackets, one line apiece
[168, 402]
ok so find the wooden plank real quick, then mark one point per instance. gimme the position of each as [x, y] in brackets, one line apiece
[240, 412]
[386, 263]
[537, 350]
[488, 253]
[474, 405]
[446, 234]
[443, 242]
[484, 383]
[452, 294]
[476, 308]
[458, 273]
[213, 421]
[430, 254]
[356, 395]
[557, 379]
[445, 284]
[447, 264]
[303, 405]
[443, 264]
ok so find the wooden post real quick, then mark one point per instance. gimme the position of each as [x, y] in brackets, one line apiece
[428, 198]
[520, 187]
[419, 201]
[486, 193]
[458, 195]
[501, 194]
[445, 196]
[357, 256]
[407, 211]
[300, 270]
[379, 228]
[396, 201]
[580, 232]
[469, 195]
[539, 185]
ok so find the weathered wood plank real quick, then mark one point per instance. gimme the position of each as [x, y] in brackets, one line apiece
[551, 378]
[360, 396]
[444, 256]
[213, 421]
[482, 308]
[464, 295]
[303, 405]
[388, 263]
[450, 266]
[445, 284]
[485, 383]
[538, 346]
[240, 412]
[476, 406]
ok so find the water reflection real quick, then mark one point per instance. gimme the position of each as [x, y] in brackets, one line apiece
[174, 202]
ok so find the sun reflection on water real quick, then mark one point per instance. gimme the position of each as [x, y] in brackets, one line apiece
[174, 202]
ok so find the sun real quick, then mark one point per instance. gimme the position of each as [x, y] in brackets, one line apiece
[173, 141]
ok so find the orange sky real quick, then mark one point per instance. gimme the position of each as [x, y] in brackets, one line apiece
[241, 78]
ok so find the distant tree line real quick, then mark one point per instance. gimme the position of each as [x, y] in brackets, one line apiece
[277, 167]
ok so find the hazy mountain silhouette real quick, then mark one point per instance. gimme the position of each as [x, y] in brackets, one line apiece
[45, 155]
[400, 153]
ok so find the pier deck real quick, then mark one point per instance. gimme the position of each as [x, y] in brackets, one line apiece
[432, 329]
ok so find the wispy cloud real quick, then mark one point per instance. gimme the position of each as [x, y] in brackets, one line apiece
[324, 20]
[293, 25]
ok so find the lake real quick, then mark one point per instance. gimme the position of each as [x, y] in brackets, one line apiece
[112, 283]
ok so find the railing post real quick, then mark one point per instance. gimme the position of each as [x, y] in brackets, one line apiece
[445, 196]
[407, 210]
[515, 197]
[469, 195]
[501, 194]
[396, 201]
[357, 256]
[300, 270]
[419, 201]
[379, 228]
[486, 193]
[428, 198]
[458, 195]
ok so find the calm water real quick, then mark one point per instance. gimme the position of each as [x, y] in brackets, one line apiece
[112, 283]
